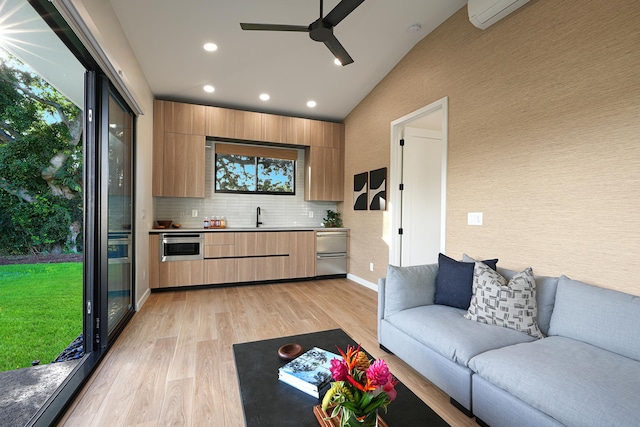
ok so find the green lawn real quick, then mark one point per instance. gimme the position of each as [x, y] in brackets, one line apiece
[40, 311]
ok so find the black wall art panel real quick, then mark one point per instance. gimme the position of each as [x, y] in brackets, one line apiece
[378, 189]
[360, 191]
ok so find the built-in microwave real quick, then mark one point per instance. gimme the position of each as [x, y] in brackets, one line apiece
[181, 246]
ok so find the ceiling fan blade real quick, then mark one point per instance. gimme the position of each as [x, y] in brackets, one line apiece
[341, 11]
[338, 51]
[274, 27]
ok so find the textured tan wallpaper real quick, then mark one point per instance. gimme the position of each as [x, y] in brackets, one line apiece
[544, 139]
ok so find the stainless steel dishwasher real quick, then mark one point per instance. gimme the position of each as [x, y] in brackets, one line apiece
[331, 253]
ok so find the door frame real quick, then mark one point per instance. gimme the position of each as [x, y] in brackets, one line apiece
[395, 175]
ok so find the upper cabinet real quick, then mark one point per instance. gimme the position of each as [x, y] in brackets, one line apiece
[248, 125]
[323, 174]
[220, 122]
[184, 118]
[276, 129]
[177, 124]
[178, 149]
[183, 165]
[325, 134]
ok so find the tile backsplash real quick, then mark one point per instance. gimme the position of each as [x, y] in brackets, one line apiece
[240, 209]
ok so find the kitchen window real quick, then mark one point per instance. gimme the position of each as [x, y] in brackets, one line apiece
[255, 170]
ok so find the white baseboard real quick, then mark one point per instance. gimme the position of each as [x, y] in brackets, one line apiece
[143, 299]
[363, 282]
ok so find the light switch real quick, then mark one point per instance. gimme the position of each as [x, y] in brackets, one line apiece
[474, 218]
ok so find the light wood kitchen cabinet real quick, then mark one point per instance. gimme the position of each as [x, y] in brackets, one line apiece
[237, 257]
[157, 187]
[181, 273]
[178, 149]
[261, 243]
[219, 245]
[299, 132]
[221, 270]
[324, 172]
[324, 142]
[325, 134]
[183, 165]
[263, 268]
[220, 122]
[302, 254]
[184, 118]
[248, 125]
[275, 128]
[154, 261]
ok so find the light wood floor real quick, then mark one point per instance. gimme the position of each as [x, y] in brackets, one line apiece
[173, 364]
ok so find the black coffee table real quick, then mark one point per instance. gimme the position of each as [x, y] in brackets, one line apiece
[268, 402]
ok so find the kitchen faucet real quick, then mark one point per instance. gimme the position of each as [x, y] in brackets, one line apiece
[258, 222]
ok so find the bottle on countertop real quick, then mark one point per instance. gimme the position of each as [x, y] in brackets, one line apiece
[223, 222]
[206, 222]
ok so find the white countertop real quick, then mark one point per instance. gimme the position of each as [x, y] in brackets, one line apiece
[242, 229]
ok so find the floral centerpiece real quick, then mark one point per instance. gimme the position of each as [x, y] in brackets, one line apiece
[361, 387]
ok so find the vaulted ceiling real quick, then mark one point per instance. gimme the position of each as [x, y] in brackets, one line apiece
[168, 36]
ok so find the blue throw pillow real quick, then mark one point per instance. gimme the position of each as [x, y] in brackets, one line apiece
[454, 283]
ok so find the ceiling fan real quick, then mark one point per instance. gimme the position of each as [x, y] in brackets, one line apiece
[320, 30]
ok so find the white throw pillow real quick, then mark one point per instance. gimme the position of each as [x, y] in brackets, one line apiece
[511, 304]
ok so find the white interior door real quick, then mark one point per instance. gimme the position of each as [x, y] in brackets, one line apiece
[421, 197]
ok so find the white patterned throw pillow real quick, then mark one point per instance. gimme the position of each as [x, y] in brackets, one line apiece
[509, 304]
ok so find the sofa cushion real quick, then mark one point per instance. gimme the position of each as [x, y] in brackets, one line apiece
[573, 382]
[545, 295]
[509, 304]
[602, 317]
[408, 287]
[445, 330]
[455, 281]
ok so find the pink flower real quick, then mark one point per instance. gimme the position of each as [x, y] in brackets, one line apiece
[378, 373]
[339, 369]
[390, 389]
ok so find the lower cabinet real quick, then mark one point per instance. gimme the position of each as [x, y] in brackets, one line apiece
[222, 270]
[181, 273]
[264, 268]
[302, 254]
[232, 257]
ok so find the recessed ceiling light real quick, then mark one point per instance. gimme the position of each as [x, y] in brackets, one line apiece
[209, 88]
[265, 96]
[210, 47]
[311, 104]
[337, 61]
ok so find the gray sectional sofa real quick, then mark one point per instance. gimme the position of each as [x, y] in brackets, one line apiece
[585, 372]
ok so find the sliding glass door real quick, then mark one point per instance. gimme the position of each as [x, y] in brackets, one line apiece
[118, 153]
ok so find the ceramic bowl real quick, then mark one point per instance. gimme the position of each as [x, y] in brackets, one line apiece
[289, 351]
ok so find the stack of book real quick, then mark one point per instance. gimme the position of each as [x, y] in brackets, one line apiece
[309, 372]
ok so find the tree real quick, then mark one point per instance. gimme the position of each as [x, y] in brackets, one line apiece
[236, 173]
[40, 163]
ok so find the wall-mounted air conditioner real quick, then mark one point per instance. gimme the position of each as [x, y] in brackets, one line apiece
[484, 13]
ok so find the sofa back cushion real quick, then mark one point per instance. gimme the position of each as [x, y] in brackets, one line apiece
[545, 295]
[508, 303]
[602, 317]
[454, 284]
[409, 287]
